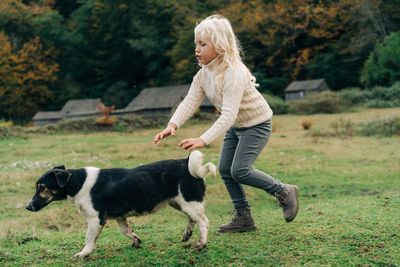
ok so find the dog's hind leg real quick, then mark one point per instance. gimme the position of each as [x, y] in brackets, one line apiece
[127, 230]
[195, 211]
[189, 230]
[93, 232]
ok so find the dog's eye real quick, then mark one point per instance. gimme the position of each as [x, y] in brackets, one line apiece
[40, 187]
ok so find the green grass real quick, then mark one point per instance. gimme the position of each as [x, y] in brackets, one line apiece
[349, 215]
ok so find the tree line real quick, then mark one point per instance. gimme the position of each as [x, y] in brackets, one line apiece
[55, 50]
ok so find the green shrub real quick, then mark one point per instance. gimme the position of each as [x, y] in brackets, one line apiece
[379, 103]
[383, 97]
[339, 128]
[6, 132]
[277, 104]
[376, 97]
[353, 96]
[386, 93]
[381, 127]
[325, 102]
[343, 128]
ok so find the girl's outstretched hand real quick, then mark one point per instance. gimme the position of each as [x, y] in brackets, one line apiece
[170, 130]
[192, 143]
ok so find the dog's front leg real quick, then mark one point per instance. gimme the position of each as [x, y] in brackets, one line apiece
[127, 230]
[93, 232]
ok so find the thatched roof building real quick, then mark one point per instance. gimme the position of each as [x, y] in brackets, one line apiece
[78, 108]
[47, 117]
[299, 89]
[162, 100]
[153, 100]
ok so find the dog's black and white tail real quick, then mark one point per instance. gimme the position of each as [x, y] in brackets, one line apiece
[196, 168]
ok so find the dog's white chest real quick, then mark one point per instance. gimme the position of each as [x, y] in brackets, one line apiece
[82, 200]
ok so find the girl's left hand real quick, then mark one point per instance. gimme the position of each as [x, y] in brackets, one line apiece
[192, 143]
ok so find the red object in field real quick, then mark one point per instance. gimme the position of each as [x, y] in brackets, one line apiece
[105, 112]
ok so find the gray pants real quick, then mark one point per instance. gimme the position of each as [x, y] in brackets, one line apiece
[240, 150]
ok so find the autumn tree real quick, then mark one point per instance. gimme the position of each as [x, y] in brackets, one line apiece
[16, 21]
[302, 29]
[25, 77]
[183, 62]
[251, 24]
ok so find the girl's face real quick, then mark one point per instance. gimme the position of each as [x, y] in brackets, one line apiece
[205, 50]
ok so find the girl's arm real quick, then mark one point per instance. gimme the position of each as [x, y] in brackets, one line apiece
[185, 109]
[190, 103]
[233, 90]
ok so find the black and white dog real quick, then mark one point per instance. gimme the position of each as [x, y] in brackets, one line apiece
[118, 193]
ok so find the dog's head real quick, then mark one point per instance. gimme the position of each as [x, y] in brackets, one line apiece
[49, 187]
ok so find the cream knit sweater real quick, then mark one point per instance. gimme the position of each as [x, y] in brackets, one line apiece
[240, 103]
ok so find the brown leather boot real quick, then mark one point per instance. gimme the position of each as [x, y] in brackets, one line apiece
[242, 222]
[289, 200]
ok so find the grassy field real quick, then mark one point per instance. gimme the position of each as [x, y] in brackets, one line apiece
[349, 193]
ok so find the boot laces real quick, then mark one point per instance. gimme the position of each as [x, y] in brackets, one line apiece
[282, 196]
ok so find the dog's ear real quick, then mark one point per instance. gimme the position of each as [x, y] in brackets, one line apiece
[62, 167]
[62, 176]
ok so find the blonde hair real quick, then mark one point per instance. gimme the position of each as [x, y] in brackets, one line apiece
[219, 30]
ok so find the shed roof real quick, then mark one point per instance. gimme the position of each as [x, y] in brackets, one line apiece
[77, 107]
[81, 106]
[161, 98]
[48, 115]
[304, 85]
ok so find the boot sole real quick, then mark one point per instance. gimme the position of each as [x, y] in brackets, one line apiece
[238, 230]
[296, 189]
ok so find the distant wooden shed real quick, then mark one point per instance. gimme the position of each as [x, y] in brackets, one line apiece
[162, 100]
[47, 117]
[79, 108]
[73, 109]
[299, 89]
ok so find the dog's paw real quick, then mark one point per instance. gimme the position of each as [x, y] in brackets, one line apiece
[136, 243]
[199, 246]
[81, 255]
[187, 245]
[186, 237]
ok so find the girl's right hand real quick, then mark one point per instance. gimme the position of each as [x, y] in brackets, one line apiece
[170, 130]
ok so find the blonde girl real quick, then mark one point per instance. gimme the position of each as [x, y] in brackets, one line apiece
[245, 120]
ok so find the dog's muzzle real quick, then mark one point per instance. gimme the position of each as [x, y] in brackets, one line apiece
[30, 206]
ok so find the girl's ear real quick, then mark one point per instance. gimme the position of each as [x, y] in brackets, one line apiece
[219, 50]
